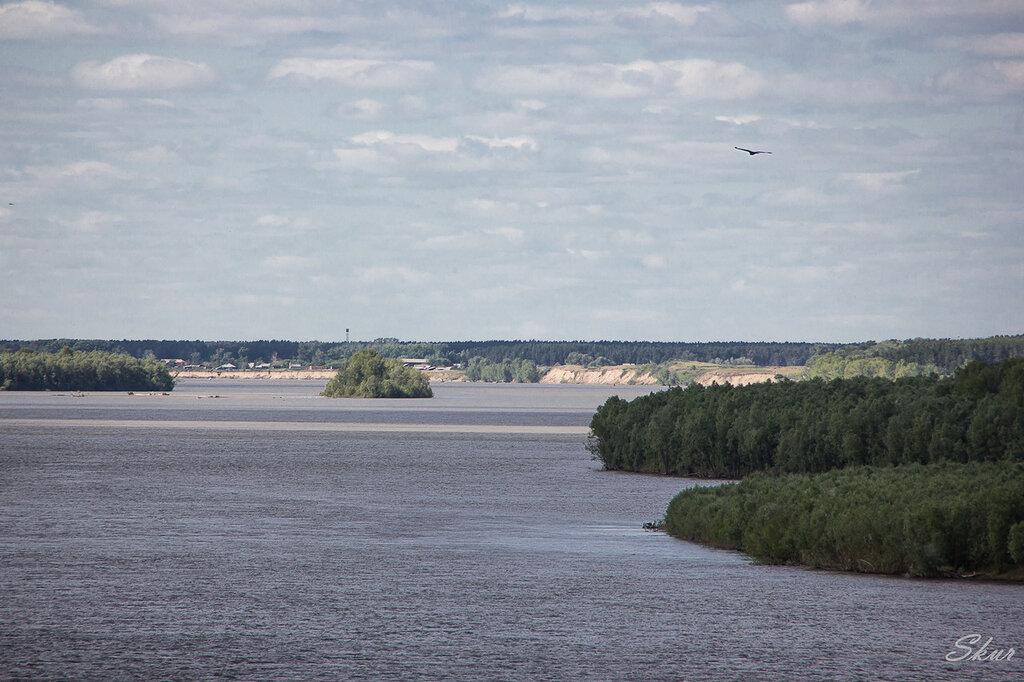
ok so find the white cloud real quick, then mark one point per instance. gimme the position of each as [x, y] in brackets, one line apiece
[895, 13]
[800, 196]
[532, 105]
[141, 72]
[491, 206]
[93, 221]
[994, 79]
[287, 263]
[676, 13]
[685, 15]
[365, 108]
[393, 273]
[76, 169]
[879, 182]
[658, 110]
[155, 155]
[654, 261]
[34, 20]
[697, 79]
[236, 28]
[739, 120]
[357, 159]
[355, 72]
[512, 234]
[424, 142]
[271, 220]
[799, 274]
[998, 45]
[535, 13]
[521, 142]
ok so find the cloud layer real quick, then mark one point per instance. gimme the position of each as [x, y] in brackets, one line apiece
[561, 170]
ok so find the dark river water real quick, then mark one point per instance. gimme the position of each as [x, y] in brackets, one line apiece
[258, 531]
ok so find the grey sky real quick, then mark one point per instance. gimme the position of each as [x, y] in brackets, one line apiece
[558, 170]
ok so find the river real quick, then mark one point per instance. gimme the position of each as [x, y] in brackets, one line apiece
[254, 530]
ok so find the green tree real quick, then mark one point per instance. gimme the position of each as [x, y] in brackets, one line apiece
[368, 375]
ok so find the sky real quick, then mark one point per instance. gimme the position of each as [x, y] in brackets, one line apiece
[438, 170]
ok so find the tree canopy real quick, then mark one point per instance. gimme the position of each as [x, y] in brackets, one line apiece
[368, 375]
[816, 425]
[71, 370]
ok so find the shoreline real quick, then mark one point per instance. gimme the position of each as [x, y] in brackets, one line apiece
[612, 375]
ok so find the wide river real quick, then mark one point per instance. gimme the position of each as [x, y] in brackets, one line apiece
[258, 531]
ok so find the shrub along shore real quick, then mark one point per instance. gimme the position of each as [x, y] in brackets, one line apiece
[921, 476]
[938, 520]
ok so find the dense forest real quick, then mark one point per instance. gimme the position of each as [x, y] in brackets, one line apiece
[368, 375]
[812, 426]
[936, 520]
[69, 370]
[545, 353]
[945, 354]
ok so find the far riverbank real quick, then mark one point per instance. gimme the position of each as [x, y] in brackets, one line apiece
[613, 375]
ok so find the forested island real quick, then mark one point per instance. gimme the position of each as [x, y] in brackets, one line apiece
[69, 370]
[865, 474]
[367, 375]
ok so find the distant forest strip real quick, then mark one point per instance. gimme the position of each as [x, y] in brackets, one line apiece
[722, 431]
[928, 521]
[944, 354]
[69, 370]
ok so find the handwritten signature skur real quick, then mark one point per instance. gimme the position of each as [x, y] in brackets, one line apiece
[966, 649]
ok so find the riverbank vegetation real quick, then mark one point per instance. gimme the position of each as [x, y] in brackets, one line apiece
[69, 370]
[368, 375]
[506, 371]
[921, 476]
[722, 431]
[919, 355]
[937, 520]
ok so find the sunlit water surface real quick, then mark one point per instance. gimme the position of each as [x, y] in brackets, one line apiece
[255, 530]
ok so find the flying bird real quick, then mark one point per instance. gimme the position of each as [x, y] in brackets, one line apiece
[750, 151]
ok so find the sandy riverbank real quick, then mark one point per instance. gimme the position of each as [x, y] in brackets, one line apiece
[617, 375]
[259, 375]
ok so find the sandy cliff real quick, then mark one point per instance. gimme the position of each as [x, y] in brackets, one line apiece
[744, 379]
[619, 374]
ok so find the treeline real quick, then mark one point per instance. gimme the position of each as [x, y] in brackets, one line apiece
[368, 375]
[937, 520]
[506, 371]
[544, 353]
[69, 370]
[945, 354]
[914, 357]
[722, 431]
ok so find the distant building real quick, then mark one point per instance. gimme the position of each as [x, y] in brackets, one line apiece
[416, 363]
[227, 366]
[173, 362]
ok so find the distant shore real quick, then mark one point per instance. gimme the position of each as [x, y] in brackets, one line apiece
[255, 374]
[627, 375]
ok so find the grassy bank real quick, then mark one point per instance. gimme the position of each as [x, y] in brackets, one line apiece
[946, 519]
